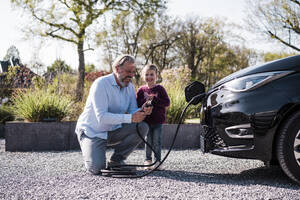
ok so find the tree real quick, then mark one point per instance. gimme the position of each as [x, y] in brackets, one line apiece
[269, 56]
[59, 66]
[159, 43]
[198, 39]
[72, 21]
[277, 19]
[56, 70]
[126, 34]
[230, 59]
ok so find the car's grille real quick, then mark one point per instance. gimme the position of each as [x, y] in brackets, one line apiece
[212, 139]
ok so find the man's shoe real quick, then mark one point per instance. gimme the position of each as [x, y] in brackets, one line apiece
[119, 166]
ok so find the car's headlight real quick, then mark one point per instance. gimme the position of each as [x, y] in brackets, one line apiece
[253, 81]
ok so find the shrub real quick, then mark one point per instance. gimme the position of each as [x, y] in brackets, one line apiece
[76, 110]
[40, 105]
[175, 80]
[77, 107]
[20, 77]
[65, 85]
[178, 103]
[6, 114]
[91, 76]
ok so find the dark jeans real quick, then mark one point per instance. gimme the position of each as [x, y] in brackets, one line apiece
[123, 140]
[154, 139]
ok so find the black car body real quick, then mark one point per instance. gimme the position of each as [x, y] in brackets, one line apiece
[255, 113]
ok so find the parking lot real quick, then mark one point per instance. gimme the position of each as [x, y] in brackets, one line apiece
[189, 175]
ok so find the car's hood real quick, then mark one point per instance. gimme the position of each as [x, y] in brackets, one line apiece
[285, 64]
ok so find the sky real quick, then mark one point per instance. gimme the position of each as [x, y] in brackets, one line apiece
[11, 20]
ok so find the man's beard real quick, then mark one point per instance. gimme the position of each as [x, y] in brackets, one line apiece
[121, 80]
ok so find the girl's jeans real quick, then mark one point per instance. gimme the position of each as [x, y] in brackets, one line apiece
[154, 139]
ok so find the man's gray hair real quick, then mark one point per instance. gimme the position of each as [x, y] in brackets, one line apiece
[120, 60]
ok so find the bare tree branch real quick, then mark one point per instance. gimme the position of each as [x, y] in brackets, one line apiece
[282, 41]
[60, 37]
[296, 2]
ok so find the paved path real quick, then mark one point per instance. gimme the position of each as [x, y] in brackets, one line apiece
[189, 175]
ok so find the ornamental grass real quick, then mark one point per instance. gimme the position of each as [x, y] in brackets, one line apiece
[40, 105]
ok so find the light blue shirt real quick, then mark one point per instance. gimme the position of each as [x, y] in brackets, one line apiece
[107, 107]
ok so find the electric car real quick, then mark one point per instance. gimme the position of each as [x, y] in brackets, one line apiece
[254, 113]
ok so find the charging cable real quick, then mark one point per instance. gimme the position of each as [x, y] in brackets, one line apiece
[120, 174]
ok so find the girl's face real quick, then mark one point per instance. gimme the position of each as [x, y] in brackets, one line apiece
[150, 77]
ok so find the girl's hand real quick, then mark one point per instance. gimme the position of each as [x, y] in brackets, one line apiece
[150, 98]
[147, 108]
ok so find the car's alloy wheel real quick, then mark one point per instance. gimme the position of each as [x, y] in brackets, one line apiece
[297, 147]
[288, 147]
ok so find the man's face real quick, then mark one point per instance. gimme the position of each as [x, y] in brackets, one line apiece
[125, 73]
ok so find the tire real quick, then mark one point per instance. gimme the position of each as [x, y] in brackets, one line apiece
[288, 147]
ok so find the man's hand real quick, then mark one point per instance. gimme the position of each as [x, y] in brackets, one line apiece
[138, 116]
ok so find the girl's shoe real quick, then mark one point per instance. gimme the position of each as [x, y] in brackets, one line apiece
[148, 162]
[160, 168]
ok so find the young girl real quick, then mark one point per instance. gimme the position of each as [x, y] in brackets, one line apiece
[159, 99]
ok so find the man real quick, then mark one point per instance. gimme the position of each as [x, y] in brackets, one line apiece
[110, 116]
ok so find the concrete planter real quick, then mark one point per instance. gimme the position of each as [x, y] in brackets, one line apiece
[188, 136]
[40, 136]
[1, 130]
[60, 136]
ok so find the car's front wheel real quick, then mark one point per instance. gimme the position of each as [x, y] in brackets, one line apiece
[288, 147]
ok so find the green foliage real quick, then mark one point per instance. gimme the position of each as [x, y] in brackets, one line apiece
[178, 103]
[17, 77]
[65, 84]
[12, 72]
[6, 114]
[77, 107]
[177, 99]
[90, 68]
[59, 66]
[181, 74]
[270, 56]
[174, 81]
[39, 82]
[6, 81]
[38, 105]
[49, 20]
[223, 60]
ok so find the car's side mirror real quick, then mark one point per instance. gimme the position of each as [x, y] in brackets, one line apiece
[195, 89]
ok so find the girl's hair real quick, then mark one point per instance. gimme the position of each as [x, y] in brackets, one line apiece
[150, 67]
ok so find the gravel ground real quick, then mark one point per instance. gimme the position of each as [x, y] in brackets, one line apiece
[189, 175]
